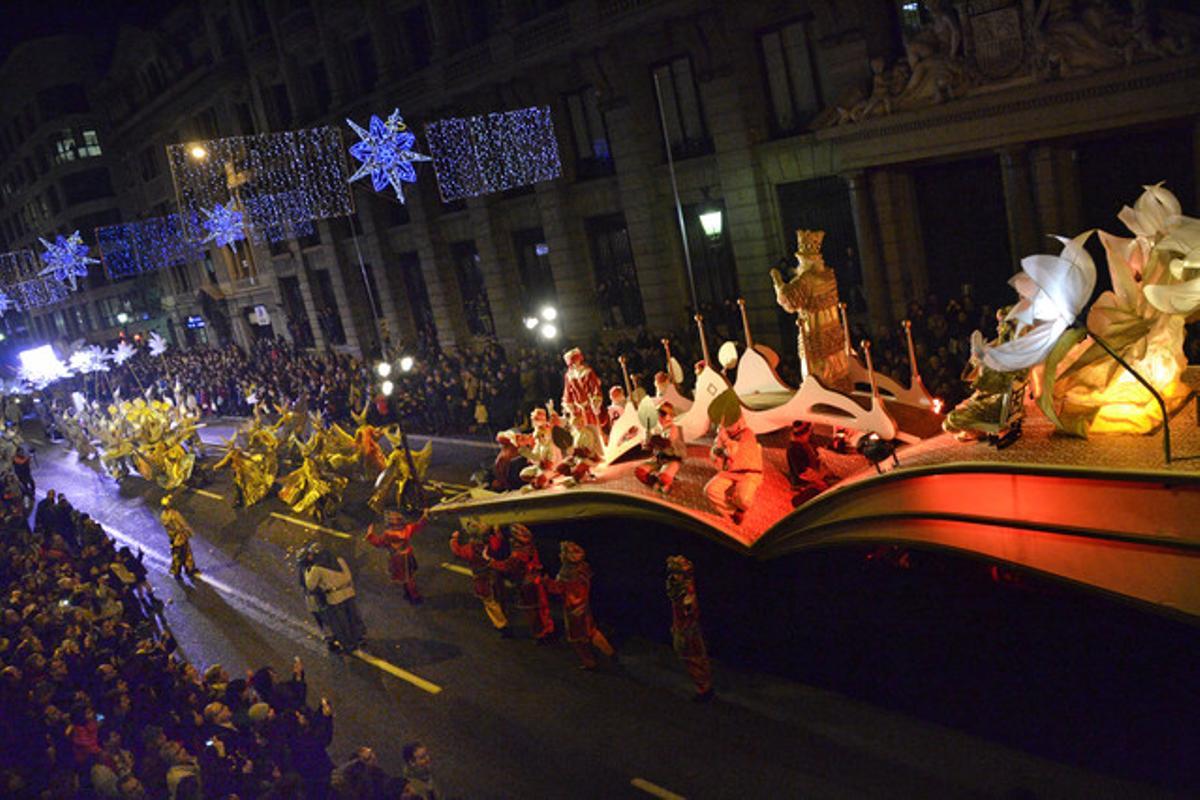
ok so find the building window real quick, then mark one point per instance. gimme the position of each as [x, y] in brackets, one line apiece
[58, 101]
[91, 145]
[245, 119]
[416, 36]
[92, 184]
[310, 239]
[413, 280]
[320, 86]
[281, 104]
[205, 124]
[476, 307]
[617, 288]
[183, 277]
[791, 77]
[533, 264]
[590, 134]
[398, 214]
[148, 163]
[364, 61]
[680, 105]
[64, 146]
[372, 289]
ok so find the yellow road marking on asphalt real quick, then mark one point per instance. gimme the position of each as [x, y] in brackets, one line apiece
[310, 525]
[654, 789]
[402, 674]
[207, 493]
[461, 570]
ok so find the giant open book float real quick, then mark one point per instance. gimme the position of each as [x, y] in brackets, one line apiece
[1112, 512]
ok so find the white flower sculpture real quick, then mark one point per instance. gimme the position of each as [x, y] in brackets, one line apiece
[87, 360]
[1183, 295]
[122, 353]
[157, 344]
[1053, 291]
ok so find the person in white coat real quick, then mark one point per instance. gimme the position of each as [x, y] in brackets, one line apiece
[328, 578]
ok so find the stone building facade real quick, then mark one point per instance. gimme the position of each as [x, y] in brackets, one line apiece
[935, 142]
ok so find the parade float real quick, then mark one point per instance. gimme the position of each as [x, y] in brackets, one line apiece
[1071, 456]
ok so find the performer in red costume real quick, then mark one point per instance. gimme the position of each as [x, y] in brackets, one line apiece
[574, 584]
[686, 636]
[397, 537]
[487, 581]
[524, 568]
[582, 392]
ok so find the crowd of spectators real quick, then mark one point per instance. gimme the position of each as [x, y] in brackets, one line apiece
[98, 702]
[488, 388]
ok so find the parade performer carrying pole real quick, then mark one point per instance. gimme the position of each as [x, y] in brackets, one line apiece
[524, 567]
[574, 584]
[180, 534]
[402, 563]
[486, 579]
[686, 636]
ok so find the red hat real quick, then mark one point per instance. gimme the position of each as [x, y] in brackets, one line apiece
[572, 355]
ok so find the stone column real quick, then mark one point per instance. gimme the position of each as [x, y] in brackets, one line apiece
[900, 239]
[637, 148]
[440, 280]
[500, 277]
[1018, 203]
[866, 230]
[569, 263]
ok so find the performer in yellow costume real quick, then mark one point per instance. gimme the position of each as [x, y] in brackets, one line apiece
[313, 486]
[180, 534]
[391, 483]
[250, 477]
[812, 295]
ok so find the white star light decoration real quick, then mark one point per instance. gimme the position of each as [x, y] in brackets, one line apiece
[157, 344]
[386, 153]
[224, 224]
[67, 258]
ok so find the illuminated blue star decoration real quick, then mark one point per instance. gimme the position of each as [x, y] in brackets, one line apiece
[386, 153]
[66, 258]
[224, 224]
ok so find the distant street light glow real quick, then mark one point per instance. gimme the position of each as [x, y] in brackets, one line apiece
[387, 387]
[549, 331]
[122, 318]
[199, 153]
[406, 364]
[549, 313]
[383, 368]
[531, 322]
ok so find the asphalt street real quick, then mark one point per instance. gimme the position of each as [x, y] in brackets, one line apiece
[506, 719]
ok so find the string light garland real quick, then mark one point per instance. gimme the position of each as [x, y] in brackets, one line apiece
[276, 179]
[66, 258]
[386, 152]
[136, 248]
[480, 155]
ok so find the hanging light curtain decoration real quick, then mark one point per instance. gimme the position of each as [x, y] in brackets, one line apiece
[66, 258]
[224, 224]
[480, 155]
[136, 248]
[5, 303]
[25, 287]
[386, 152]
[276, 179]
